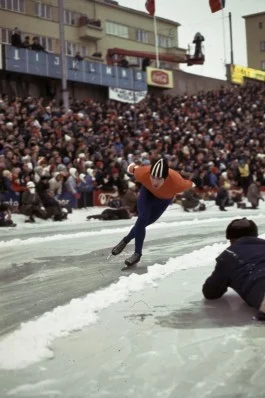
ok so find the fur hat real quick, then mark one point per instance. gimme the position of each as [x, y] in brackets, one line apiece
[241, 227]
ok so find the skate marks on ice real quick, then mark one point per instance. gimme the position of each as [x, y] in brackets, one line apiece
[57, 280]
[138, 269]
[228, 311]
[54, 281]
[119, 261]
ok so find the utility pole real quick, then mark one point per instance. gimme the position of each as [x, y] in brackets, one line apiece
[65, 94]
[231, 39]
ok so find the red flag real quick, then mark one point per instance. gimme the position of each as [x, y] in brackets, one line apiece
[150, 6]
[216, 5]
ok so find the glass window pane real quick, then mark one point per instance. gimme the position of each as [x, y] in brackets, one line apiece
[37, 9]
[49, 46]
[49, 13]
[21, 5]
[4, 36]
[15, 5]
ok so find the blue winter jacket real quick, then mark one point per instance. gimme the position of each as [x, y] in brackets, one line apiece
[241, 267]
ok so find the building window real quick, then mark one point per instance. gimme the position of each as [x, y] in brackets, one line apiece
[43, 11]
[117, 30]
[13, 5]
[6, 36]
[262, 65]
[46, 42]
[260, 25]
[170, 42]
[166, 42]
[162, 41]
[133, 61]
[70, 17]
[71, 48]
[262, 46]
[83, 51]
[142, 35]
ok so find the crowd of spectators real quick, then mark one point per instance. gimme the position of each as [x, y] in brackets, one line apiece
[214, 138]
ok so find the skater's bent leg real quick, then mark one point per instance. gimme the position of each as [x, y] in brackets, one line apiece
[158, 209]
[138, 231]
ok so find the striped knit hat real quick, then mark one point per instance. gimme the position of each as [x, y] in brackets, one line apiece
[159, 169]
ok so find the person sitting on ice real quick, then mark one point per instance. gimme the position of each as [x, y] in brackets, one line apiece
[190, 201]
[254, 194]
[32, 205]
[241, 267]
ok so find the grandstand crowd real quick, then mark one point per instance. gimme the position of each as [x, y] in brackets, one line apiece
[214, 138]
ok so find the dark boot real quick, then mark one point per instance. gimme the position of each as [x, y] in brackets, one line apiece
[119, 248]
[31, 219]
[134, 259]
[260, 316]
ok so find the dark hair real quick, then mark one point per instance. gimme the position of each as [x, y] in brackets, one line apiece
[241, 227]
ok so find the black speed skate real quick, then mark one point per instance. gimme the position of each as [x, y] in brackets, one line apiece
[119, 248]
[134, 259]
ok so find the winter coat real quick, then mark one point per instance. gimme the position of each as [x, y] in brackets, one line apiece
[55, 186]
[112, 214]
[130, 200]
[241, 267]
[71, 185]
[31, 199]
[253, 194]
[190, 200]
[222, 197]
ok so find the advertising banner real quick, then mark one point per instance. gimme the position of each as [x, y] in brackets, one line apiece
[238, 73]
[127, 96]
[101, 198]
[12, 199]
[159, 78]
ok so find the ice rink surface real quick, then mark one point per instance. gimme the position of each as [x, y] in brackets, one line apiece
[72, 324]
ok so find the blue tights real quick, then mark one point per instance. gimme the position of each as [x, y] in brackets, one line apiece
[150, 208]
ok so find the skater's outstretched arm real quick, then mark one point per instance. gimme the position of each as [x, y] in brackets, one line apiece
[216, 285]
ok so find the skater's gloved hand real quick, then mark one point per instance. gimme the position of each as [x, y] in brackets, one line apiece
[77, 195]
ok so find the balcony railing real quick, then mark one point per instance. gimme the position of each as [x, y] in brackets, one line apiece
[90, 29]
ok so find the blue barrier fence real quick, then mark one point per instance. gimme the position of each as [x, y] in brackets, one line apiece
[44, 64]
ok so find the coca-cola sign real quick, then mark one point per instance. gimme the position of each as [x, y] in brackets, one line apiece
[159, 77]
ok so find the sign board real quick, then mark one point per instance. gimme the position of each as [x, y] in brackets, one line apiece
[127, 96]
[101, 198]
[159, 78]
[238, 73]
[44, 64]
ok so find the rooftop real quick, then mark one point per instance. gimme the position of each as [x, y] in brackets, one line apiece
[115, 4]
[254, 15]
